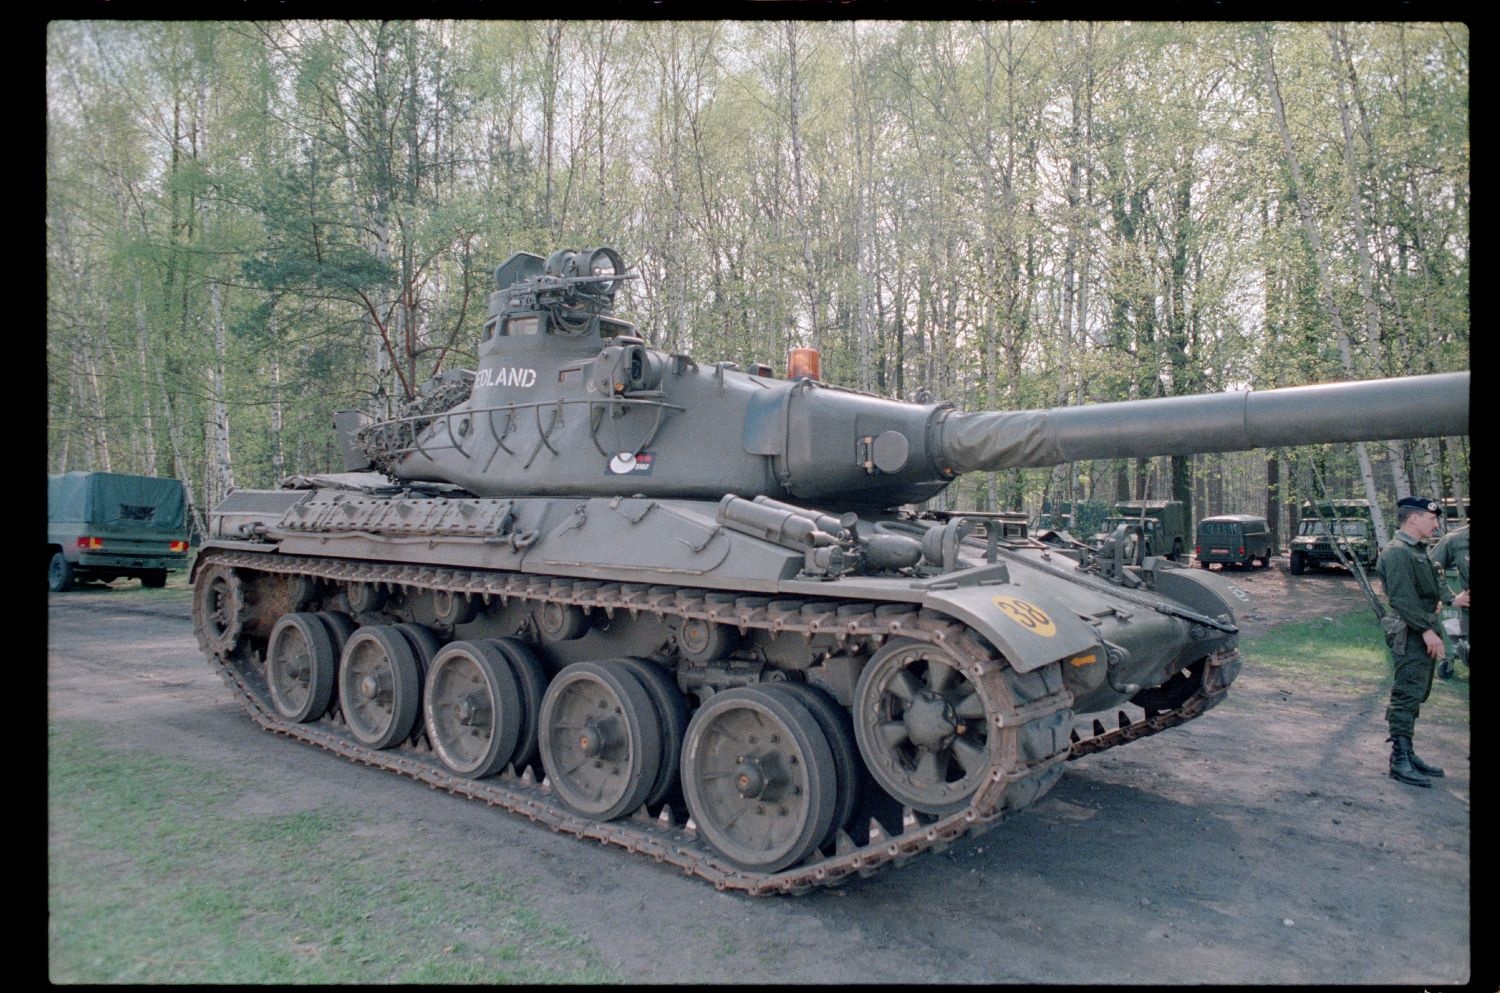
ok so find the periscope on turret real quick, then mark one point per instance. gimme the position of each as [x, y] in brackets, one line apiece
[674, 605]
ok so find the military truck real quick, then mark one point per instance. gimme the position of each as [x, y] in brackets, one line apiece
[1162, 525]
[1348, 522]
[105, 525]
[1083, 518]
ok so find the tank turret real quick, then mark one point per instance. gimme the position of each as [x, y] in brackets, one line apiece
[568, 400]
[672, 606]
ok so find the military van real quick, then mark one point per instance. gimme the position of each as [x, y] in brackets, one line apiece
[107, 525]
[1233, 539]
[1346, 522]
[1163, 525]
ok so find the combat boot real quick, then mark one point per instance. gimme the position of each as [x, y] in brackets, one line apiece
[1422, 767]
[1401, 768]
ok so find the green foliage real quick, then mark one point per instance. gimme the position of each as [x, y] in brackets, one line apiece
[159, 873]
[1348, 653]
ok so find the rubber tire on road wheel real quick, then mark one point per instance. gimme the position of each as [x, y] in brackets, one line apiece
[379, 651]
[59, 574]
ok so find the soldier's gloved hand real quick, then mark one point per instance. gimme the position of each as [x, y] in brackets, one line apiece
[1462, 600]
[1434, 644]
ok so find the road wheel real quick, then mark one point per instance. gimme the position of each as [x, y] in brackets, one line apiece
[1298, 563]
[301, 663]
[59, 574]
[600, 740]
[759, 778]
[838, 730]
[532, 679]
[379, 686]
[472, 708]
[671, 714]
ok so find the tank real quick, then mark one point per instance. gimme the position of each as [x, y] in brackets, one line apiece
[677, 606]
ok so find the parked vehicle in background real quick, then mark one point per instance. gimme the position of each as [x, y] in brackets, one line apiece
[1454, 516]
[1163, 525]
[1079, 519]
[1233, 539]
[1345, 522]
[105, 525]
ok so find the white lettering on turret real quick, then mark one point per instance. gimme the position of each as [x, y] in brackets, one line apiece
[506, 376]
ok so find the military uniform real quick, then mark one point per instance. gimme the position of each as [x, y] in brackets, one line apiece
[1411, 588]
[1452, 552]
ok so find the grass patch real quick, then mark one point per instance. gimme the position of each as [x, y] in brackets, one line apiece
[155, 877]
[1348, 653]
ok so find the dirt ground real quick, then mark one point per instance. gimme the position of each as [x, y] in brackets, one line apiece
[1261, 844]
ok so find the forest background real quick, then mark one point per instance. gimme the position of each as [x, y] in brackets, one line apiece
[253, 224]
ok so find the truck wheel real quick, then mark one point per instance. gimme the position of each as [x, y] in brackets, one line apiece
[154, 579]
[59, 574]
[1299, 563]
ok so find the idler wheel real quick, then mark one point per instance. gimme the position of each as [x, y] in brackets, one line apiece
[1174, 692]
[471, 705]
[301, 662]
[600, 740]
[218, 609]
[379, 686]
[759, 778]
[921, 727]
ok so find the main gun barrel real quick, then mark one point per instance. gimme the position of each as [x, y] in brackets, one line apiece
[1370, 410]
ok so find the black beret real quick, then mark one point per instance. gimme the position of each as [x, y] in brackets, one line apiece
[1420, 503]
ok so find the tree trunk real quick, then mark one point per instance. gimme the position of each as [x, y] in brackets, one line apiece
[223, 470]
[1325, 292]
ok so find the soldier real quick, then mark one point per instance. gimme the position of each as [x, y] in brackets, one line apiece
[1453, 552]
[1411, 587]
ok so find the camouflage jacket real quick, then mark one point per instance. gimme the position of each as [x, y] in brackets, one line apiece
[1411, 582]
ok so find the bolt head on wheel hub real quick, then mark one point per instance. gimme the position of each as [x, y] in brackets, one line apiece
[369, 686]
[591, 739]
[750, 778]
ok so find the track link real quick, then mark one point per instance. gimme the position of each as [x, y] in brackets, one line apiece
[1029, 710]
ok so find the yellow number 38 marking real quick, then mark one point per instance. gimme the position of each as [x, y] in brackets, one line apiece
[1030, 617]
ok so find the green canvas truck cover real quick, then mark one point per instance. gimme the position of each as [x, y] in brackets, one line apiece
[103, 498]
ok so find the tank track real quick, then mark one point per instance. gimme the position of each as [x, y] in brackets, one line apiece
[1039, 713]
